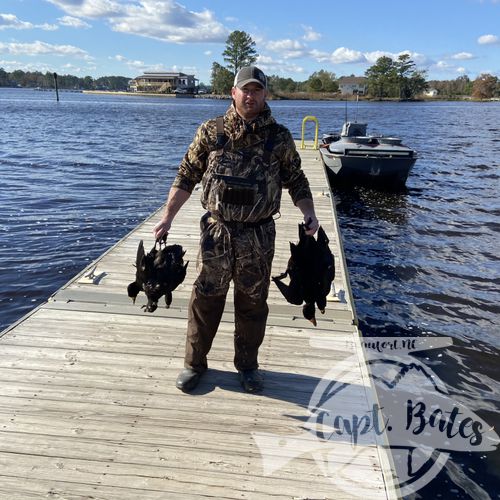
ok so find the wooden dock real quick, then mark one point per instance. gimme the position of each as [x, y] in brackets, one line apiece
[89, 408]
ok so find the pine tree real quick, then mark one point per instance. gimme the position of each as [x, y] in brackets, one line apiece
[240, 51]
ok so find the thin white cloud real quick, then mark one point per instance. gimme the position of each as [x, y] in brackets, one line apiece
[287, 48]
[73, 22]
[47, 26]
[41, 48]
[188, 70]
[310, 35]
[319, 55]
[141, 66]
[11, 21]
[284, 45]
[138, 65]
[462, 56]
[341, 55]
[488, 40]
[93, 9]
[442, 65]
[164, 20]
[416, 57]
[372, 56]
[35, 66]
[278, 66]
[446, 67]
[344, 55]
[72, 68]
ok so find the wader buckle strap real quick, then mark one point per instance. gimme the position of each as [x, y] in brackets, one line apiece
[221, 136]
[269, 145]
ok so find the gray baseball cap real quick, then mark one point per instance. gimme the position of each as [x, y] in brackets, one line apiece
[250, 74]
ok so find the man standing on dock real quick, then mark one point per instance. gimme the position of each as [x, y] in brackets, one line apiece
[243, 161]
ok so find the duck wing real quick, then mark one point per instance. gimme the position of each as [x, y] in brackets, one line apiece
[325, 269]
[137, 286]
[292, 292]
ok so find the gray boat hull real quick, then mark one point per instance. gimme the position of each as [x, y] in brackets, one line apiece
[368, 169]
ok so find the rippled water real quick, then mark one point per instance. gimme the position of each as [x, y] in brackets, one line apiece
[79, 174]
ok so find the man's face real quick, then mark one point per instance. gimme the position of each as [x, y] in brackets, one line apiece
[249, 100]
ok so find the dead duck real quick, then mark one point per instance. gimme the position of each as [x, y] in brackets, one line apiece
[158, 273]
[311, 269]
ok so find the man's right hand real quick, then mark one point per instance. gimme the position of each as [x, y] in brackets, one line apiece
[176, 198]
[161, 229]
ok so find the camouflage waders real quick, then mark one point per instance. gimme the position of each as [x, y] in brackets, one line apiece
[241, 254]
[243, 168]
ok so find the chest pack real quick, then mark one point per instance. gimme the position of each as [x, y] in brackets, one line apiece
[237, 185]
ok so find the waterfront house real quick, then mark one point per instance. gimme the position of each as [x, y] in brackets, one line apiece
[350, 85]
[431, 93]
[164, 82]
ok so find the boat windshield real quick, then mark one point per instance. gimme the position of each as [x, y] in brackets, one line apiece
[353, 129]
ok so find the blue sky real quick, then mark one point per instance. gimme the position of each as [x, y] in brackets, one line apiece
[448, 38]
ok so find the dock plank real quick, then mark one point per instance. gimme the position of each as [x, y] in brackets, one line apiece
[88, 406]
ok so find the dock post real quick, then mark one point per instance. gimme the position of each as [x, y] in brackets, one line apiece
[57, 89]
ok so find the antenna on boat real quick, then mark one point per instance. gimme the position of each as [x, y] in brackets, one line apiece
[357, 104]
[345, 121]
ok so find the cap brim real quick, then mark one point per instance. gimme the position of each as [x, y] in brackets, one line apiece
[250, 80]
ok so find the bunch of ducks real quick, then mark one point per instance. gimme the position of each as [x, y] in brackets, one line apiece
[311, 269]
[158, 272]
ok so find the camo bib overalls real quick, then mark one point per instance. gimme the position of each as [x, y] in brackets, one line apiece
[241, 190]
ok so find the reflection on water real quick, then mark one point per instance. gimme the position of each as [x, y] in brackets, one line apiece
[407, 280]
[371, 204]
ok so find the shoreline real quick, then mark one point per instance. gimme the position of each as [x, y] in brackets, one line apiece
[306, 96]
[152, 94]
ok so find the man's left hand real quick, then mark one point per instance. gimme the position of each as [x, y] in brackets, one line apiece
[311, 224]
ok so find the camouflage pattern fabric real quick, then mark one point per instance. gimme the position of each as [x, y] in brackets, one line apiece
[242, 157]
[242, 254]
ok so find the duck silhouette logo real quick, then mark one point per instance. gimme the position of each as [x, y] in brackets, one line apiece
[412, 417]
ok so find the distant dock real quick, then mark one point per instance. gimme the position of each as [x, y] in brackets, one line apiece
[89, 407]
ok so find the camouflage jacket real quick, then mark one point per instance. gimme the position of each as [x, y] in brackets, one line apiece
[242, 157]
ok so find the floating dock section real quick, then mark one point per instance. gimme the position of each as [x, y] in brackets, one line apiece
[89, 407]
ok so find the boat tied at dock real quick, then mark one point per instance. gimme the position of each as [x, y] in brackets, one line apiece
[357, 158]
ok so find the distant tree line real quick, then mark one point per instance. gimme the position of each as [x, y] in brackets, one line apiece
[387, 78]
[34, 79]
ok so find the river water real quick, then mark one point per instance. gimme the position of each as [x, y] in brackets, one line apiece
[77, 175]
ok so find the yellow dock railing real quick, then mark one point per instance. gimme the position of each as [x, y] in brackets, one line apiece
[304, 121]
